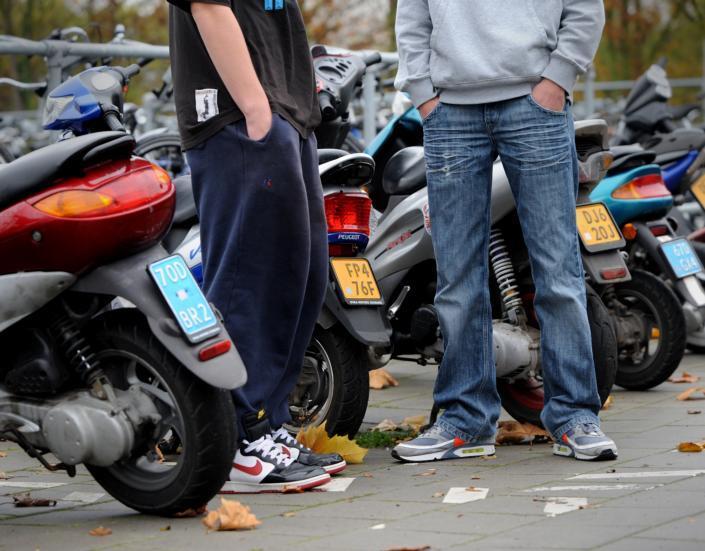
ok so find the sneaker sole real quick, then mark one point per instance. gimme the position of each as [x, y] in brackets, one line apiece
[274, 488]
[456, 453]
[567, 451]
[336, 468]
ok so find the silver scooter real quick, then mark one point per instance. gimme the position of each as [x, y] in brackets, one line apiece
[401, 254]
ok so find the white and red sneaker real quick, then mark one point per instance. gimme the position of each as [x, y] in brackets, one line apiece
[262, 466]
[332, 463]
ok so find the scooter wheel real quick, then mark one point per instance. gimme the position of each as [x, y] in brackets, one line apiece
[200, 417]
[333, 386]
[663, 347]
[523, 400]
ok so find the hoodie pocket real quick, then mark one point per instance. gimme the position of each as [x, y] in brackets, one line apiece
[476, 42]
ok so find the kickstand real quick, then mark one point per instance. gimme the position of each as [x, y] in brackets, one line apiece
[431, 418]
[30, 450]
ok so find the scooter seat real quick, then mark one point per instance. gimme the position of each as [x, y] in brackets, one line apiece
[405, 172]
[631, 160]
[40, 169]
[185, 203]
[327, 155]
[624, 150]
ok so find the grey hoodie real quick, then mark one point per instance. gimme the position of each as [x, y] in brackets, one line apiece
[480, 51]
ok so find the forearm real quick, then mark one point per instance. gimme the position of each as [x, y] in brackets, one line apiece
[227, 49]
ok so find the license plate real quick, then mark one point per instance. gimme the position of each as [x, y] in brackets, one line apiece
[184, 298]
[597, 229]
[681, 257]
[356, 281]
[698, 190]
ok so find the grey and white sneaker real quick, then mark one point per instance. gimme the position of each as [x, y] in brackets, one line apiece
[436, 444]
[586, 442]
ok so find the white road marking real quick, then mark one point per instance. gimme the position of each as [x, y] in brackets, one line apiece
[83, 497]
[336, 485]
[460, 494]
[644, 474]
[560, 505]
[35, 485]
[594, 488]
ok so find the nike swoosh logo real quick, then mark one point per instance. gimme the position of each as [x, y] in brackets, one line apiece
[255, 470]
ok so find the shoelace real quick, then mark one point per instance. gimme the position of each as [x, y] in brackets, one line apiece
[432, 431]
[591, 429]
[283, 434]
[269, 449]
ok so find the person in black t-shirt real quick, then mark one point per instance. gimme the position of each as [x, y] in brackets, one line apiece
[246, 105]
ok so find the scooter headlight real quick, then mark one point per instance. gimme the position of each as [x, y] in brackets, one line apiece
[54, 107]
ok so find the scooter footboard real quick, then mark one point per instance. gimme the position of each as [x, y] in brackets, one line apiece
[128, 278]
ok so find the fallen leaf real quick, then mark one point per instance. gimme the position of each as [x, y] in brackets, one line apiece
[472, 489]
[488, 457]
[514, 432]
[691, 446]
[387, 425]
[684, 377]
[415, 422]
[694, 412]
[687, 394]
[190, 513]
[475, 478]
[422, 548]
[100, 531]
[611, 470]
[381, 378]
[608, 403]
[289, 514]
[165, 528]
[292, 490]
[316, 438]
[231, 515]
[3, 454]
[3, 476]
[367, 475]
[29, 501]
[428, 472]
[438, 494]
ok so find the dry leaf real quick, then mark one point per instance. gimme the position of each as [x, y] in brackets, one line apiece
[694, 412]
[608, 403]
[3, 454]
[292, 490]
[289, 514]
[387, 425]
[28, 501]
[684, 377]
[190, 513]
[438, 494]
[381, 378]
[231, 515]
[514, 432]
[488, 457]
[415, 423]
[3, 476]
[475, 478]
[100, 531]
[687, 394]
[367, 475]
[691, 446]
[317, 439]
[472, 489]
[429, 472]
[166, 528]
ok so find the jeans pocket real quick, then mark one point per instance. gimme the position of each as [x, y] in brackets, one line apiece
[432, 114]
[540, 107]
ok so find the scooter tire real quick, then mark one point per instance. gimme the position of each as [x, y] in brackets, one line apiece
[524, 400]
[666, 306]
[207, 413]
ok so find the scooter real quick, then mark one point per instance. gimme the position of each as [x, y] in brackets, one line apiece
[81, 223]
[401, 254]
[352, 332]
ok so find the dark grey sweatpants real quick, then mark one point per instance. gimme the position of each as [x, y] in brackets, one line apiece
[265, 253]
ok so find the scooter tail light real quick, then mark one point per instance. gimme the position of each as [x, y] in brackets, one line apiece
[613, 273]
[348, 212]
[658, 231]
[125, 193]
[649, 186]
[341, 250]
[214, 350]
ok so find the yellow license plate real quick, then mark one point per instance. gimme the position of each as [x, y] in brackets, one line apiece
[597, 228]
[698, 190]
[356, 281]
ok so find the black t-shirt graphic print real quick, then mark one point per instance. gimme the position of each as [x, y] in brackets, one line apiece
[276, 38]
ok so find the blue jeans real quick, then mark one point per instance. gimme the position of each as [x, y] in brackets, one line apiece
[537, 149]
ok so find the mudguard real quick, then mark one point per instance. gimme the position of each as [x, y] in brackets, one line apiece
[366, 324]
[595, 263]
[128, 278]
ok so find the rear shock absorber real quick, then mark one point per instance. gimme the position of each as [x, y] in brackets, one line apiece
[76, 348]
[506, 279]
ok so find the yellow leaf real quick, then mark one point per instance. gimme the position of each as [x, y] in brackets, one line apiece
[100, 531]
[687, 394]
[381, 378]
[691, 446]
[3, 454]
[513, 432]
[231, 515]
[608, 403]
[386, 425]
[684, 377]
[415, 422]
[316, 438]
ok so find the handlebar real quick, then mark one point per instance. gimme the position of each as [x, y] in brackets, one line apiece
[113, 121]
[328, 110]
[372, 58]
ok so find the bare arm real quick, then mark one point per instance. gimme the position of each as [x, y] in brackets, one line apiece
[222, 35]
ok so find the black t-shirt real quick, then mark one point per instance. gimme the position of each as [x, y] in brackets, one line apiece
[276, 38]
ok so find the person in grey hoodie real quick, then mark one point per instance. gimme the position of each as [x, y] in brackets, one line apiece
[493, 78]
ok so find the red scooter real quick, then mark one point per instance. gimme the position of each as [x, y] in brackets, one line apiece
[90, 379]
